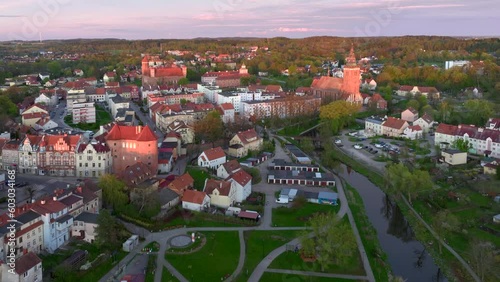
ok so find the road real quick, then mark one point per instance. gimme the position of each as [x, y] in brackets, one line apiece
[144, 118]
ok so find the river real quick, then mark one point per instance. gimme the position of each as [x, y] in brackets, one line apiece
[406, 256]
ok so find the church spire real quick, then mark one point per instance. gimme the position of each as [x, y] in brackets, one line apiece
[351, 59]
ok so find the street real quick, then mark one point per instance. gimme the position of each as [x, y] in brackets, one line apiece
[146, 120]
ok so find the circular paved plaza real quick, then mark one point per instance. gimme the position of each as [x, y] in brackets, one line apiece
[180, 241]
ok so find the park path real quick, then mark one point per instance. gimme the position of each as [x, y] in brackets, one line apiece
[317, 274]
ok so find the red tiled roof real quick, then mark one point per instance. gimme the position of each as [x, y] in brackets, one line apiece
[232, 166]
[113, 84]
[242, 177]
[447, 129]
[303, 90]
[181, 183]
[27, 262]
[110, 74]
[227, 106]
[11, 145]
[125, 132]
[326, 82]
[248, 136]
[412, 110]
[50, 206]
[34, 115]
[193, 196]
[395, 123]
[41, 107]
[136, 174]
[427, 118]
[224, 187]
[214, 153]
[415, 128]
[167, 71]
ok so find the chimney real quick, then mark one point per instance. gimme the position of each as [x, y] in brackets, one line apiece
[42, 202]
[79, 189]
[54, 198]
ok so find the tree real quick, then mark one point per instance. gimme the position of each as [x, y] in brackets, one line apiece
[400, 180]
[210, 128]
[307, 145]
[54, 68]
[478, 111]
[248, 80]
[8, 107]
[413, 103]
[462, 145]
[107, 231]
[332, 242]
[338, 114]
[30, 192]
[482, 254]
[114, 191]
[444, 222]
[183, 81]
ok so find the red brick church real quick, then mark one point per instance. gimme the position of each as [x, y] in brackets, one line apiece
[347, 88]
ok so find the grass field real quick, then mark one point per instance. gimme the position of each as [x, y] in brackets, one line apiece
[284, 216]
[280, 277]
[166, 276]
[259, 244]
[213, 262]
[199, 177]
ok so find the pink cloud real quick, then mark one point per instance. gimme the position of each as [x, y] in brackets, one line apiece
[205, 17]
[429, 6]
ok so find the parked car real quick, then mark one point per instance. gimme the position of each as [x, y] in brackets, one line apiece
[378, 145]
[338, 141]
[358, 147]
[354, 133]
[374, 152]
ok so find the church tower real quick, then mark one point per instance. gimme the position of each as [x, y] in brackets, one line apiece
[352, 78]
[145, 66]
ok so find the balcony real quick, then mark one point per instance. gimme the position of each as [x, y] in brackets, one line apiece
[64, 222]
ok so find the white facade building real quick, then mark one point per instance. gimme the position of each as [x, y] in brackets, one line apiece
[373, 126]
[84, 113]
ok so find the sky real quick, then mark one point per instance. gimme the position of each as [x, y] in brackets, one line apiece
[169, 19]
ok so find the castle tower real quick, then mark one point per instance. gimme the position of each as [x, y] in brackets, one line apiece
[352, 80]
[145, 66]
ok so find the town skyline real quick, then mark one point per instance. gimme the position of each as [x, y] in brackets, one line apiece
[62, 19]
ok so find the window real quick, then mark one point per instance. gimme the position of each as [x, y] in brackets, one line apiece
[20, 239]
[28, 235]
[28, 245]
[25, 274]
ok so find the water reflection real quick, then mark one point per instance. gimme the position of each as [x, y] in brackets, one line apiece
[407, 257]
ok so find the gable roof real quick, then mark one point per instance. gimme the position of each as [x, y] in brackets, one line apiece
[181, 183]
[248, 136]
[427, 118]
[193, 196]
[224, 187]
[227, 106]
[412, 110]
[241, 177]
[415, 128]
[395, 123]
[447, 129]
[231, 166]
[136, 174]
[214, 153]
[126, 132]
[327, 82]
[166, 195]
[27, 262]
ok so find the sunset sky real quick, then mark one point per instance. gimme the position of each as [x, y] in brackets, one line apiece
[150, 19]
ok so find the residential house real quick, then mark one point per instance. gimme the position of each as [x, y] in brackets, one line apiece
[10, 155]
[394, 127]
[212, 158]
[140, 180]
[410, 115]
[369, 84]
[429, 92]
[91, 194]
[378, 102]
[227, 112]
[222, 193]
[78, 72]
[242, 183]
[46, 99]
[181, 184]
[225, 78]
[57, 222]
[228, 168]
[33, 114]
[28, 157]
[413, 132]
[109, 76]
[165, 160]
[28, 268]
[93, 159]
[493, 123]
[454, 157]
[373, 125]
[243, 142]
[28, 232]
[445, 135]
[491, 167]
[132, 144]
[84, 226]
[45, 123]
[195, 200]
[426, 122]
[168, 200]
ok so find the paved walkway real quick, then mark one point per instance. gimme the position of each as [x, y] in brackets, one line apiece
[317, 274]
[241, 261]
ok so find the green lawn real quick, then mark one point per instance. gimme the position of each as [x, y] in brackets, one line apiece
[102, 117]
[151, 268]
[216, 260]
[259, 244]
[284, 216]
[199, 176]
[166, 276]
[96, 273]
[281, 277]
[293, 261]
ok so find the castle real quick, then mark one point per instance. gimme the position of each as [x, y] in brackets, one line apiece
[157, 71]
[347, 88]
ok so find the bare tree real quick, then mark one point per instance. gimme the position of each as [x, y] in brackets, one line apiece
[483, 259]
[30, 192]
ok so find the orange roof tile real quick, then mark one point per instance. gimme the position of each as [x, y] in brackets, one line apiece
[193, 196]
[214, 153]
